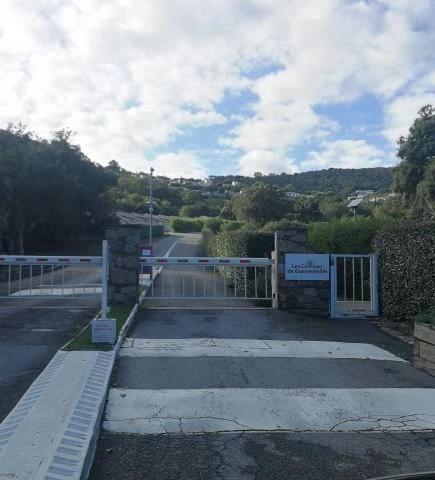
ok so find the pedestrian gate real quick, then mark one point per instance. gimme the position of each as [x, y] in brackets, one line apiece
[354, 286]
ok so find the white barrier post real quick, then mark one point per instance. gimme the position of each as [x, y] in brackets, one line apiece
[104, 278]
[104, 329]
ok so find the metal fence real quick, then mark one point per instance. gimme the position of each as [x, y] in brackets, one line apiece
[54, 276]
[207, 277]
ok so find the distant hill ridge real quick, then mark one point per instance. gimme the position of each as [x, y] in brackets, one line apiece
[341, 181]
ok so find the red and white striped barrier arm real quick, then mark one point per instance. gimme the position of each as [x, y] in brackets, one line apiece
[207, 261]
[48, 260]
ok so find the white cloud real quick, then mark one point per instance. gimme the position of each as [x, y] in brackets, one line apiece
[345, 154]
[130, 76]
[402, 110]
[265, 161]
[179, 164]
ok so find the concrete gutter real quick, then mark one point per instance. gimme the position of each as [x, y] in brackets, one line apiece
[52, 429]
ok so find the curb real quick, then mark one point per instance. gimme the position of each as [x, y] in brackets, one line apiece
[394, 333]
[117, 347]
[90, 454]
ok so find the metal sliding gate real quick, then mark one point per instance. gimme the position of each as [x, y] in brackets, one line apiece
[354, 286]
[207, 278]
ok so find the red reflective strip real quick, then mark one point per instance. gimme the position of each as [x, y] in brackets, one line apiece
[63, 259]
[162, 261]
[2, 259]
[85, 260]
[245, 261]
[204, 261]
[42, 259]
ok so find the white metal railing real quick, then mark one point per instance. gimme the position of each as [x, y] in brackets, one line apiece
[53, 276]
[208, 277]
[354, 286]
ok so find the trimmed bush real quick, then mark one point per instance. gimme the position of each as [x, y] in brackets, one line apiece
[406, 270]
[185, 225]
[231, 226]
[207, 239]
[213, 223]
[343, 236]
[243, 243]
[283, 224]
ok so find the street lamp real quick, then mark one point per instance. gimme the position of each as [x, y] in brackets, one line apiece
[151, 205]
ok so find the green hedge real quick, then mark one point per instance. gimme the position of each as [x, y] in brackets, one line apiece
[343, 236]
[242, 243]
[213, 223]
[185, 224]
[208, 237]
[231, 226]
[406, 269]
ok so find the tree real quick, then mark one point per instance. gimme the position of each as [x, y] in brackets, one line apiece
[52, 191]
[307, 209]
[424, 205]
[259, 204]
[416, 152]
[332, 207]
[392, 209]
[197, 209]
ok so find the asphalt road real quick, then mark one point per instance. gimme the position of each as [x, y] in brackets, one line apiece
[33, 329]
[249, 455]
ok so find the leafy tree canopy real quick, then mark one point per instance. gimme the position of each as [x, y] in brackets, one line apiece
[259, 204]
[416, 151]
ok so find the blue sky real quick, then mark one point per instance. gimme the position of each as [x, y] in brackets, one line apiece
[237, 87]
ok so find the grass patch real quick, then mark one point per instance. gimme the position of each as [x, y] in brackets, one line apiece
[83, 341]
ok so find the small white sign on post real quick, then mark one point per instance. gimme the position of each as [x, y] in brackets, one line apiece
[104, 331]
[306, 266]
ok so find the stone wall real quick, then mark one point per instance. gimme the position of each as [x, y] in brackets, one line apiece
[298, 294]
[124, 243]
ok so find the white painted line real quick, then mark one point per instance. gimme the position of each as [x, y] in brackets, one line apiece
[217, 347]
[244, 409]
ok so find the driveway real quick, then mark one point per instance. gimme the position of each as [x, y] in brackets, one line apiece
[212, 393]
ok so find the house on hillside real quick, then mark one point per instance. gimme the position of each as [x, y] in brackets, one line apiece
[294, 195]
[360, 194]
[209, 181]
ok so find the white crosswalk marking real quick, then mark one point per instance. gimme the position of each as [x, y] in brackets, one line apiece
[157, 411]
[215, 347]
[244, 409]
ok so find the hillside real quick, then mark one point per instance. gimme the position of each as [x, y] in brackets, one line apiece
[340, 181]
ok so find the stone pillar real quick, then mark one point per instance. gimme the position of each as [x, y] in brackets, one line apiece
[124, 243]
[313, 295]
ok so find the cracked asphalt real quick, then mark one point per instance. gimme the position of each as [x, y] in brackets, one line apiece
[243, 456]
[271, 455]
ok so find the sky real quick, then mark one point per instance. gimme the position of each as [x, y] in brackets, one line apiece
[200, 87]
